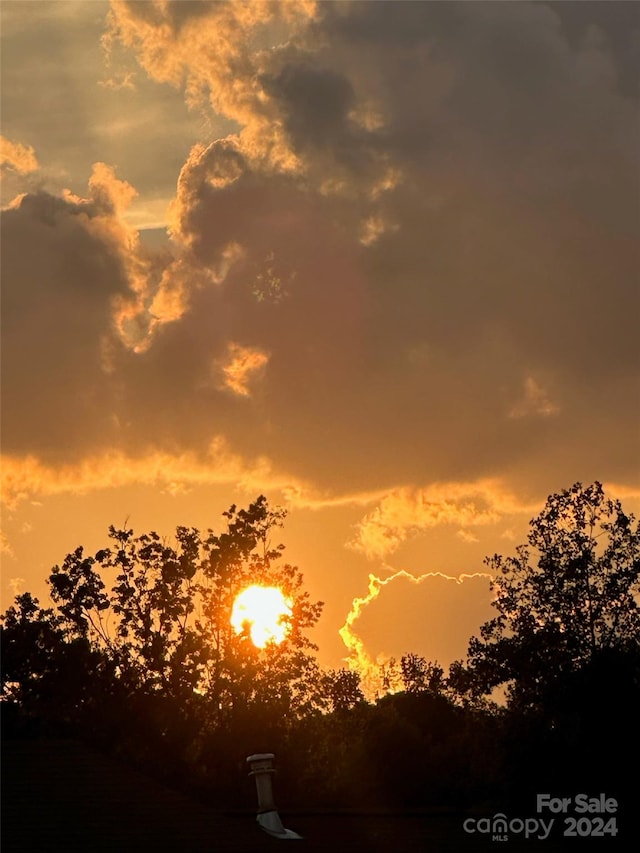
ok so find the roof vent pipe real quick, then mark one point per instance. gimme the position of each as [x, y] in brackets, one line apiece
[262, 770]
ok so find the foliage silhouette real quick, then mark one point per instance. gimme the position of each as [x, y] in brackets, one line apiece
[565, 648]
[342, 687]
[165, 623]
[564, 601]
[139, 649]
[420, 675]
[138, 656]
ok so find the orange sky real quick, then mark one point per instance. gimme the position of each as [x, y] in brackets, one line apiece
[376, 261]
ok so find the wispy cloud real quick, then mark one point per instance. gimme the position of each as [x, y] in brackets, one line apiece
[359, 657]
[16, 585]
[241, 367]
[534, 401]
[28, 477]
[5, 545]
[406, 512]
[14, 155]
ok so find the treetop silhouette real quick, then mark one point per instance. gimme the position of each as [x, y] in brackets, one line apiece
[565, 601]
[158, 617]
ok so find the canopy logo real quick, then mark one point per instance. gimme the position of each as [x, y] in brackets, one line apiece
[500, 826]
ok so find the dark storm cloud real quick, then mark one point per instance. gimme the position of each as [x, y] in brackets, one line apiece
[59, 280]
[505, 259]
[416, 261]
[314, 102]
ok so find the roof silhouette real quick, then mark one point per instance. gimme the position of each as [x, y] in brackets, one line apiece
[61, 796]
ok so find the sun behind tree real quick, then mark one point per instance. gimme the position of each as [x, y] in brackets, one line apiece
[266, 611]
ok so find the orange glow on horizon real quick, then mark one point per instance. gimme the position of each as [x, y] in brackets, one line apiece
[266, 610]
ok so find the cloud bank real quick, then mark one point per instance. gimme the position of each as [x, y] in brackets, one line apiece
[413, 260]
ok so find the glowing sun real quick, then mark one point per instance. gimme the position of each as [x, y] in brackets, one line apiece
[265, 609]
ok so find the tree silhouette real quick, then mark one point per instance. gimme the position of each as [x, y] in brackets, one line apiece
[420, 675]
[138, 655]
[157, 618]
[343, 689]
[49, 674]
[565, 602]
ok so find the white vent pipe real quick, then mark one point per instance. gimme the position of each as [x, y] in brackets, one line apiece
[262, 770]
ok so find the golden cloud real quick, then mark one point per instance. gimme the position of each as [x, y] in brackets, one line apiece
[20, 158]
[103, 214]
[241, 366]
[217, 52]
[407, 511]
[27, 477]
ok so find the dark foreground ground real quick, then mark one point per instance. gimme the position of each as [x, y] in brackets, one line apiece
[61, 797]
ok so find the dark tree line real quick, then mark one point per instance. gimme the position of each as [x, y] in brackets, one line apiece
[138, 649]
[138, 656]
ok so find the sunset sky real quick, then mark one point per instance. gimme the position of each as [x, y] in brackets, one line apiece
[376, 260]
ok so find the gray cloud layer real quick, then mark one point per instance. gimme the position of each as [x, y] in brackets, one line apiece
[425, 235]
